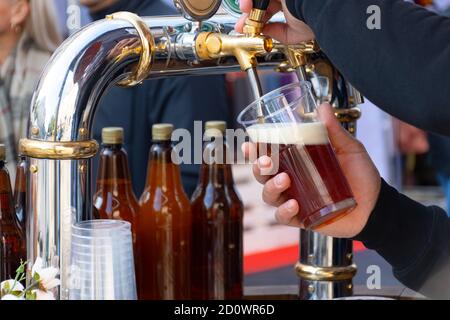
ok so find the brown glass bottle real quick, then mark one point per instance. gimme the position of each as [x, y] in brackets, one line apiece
[20, 186]
[12, 241]
[164, 225]
[217, 224]
[114, 198]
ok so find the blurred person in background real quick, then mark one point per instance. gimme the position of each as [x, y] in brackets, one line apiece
[180, 101]
[28, 36]
[413, 146]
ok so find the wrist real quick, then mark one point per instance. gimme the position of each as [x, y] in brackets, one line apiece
[384, 210]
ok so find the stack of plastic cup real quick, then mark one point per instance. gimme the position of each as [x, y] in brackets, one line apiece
[102, 265]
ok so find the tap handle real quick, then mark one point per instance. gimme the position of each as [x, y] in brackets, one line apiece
[261, 4]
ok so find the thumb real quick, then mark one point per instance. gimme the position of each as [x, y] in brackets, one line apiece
[245, 5]
[340, 139]
[240, 23]
[285, 34]
[278, 31]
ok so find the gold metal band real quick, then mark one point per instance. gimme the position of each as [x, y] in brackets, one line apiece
[148, 47]
[254, 23]
[257, 15]
[314, 273]
[72, 150]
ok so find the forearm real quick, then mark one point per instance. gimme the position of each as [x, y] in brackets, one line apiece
[403, 67]
[414, 239]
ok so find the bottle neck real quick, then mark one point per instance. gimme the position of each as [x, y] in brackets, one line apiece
[162, 172]
[114, 172]
[216, 167]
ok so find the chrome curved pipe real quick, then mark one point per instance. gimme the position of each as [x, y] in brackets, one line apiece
[94, 58]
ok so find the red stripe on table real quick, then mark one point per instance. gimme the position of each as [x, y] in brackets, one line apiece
[278, 258]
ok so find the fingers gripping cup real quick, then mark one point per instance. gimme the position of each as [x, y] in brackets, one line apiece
[284, 125]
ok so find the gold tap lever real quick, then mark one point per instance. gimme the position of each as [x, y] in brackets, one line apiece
[210, 45]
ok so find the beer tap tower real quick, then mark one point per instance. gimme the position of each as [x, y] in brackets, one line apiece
[125, 50]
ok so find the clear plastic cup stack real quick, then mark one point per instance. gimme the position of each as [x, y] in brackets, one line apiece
[102, 265]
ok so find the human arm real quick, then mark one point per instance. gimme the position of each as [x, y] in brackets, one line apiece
[413, 238]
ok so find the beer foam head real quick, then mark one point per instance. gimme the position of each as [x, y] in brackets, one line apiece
[313, 133]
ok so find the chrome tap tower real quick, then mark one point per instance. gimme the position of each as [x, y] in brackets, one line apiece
[326, 266]
[125, 50]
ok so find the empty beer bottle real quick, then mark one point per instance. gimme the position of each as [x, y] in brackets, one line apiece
[20, 186]
[217, 224]
[164, 225]
[12, 241]
[114, 197]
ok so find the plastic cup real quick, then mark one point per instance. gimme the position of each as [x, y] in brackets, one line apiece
[284, 125]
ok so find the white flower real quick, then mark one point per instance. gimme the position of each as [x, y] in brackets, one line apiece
[43, 295]
[10, 283]
[47, 276]
[11, 297]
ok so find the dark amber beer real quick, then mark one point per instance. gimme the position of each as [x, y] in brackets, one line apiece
[164, 226]
[284, 124]
[217, 214]
[12, 241]
[305, 154]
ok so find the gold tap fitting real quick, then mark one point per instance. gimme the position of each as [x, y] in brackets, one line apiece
[254, 23]
[210, 45]
[296, 55]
